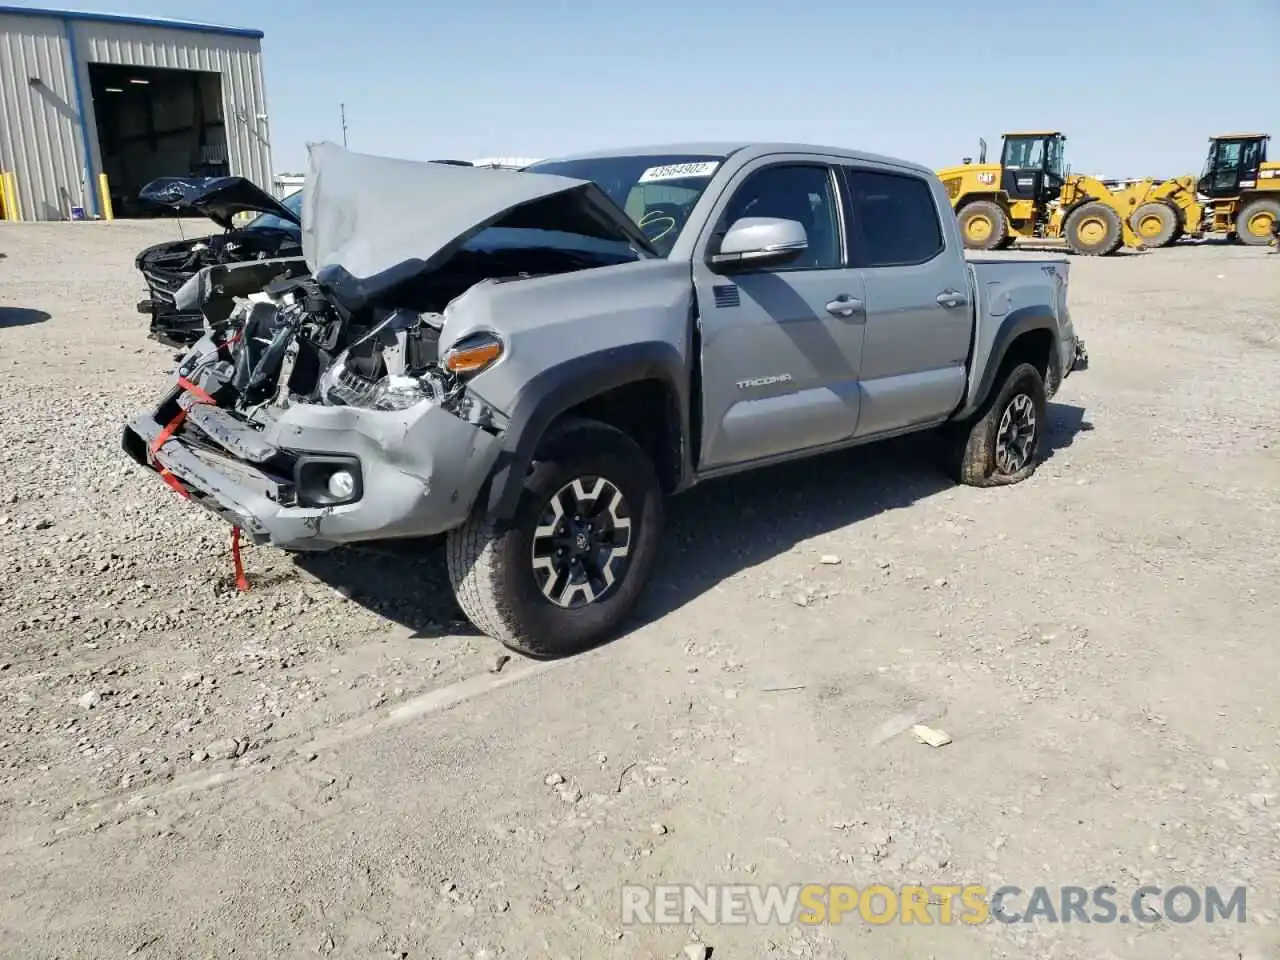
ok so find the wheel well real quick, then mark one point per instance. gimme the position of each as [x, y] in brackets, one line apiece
[1034, 347]
[647, 411]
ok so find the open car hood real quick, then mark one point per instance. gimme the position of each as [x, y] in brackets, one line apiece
[376, 222]
[218, 198]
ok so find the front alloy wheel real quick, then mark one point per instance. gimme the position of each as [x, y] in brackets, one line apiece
[567, 570]
[1016, 435]
[582, 542]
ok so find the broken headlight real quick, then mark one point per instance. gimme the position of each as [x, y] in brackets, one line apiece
[383, 370]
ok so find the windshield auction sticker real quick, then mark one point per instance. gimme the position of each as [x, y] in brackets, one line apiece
[679, 171]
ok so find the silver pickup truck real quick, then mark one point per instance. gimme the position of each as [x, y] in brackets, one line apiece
[529, 361]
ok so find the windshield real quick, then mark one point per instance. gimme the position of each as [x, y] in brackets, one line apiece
[1024, 152]
[657, 192]
[269, 221]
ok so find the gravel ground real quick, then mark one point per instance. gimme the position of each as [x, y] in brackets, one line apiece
[333, 764]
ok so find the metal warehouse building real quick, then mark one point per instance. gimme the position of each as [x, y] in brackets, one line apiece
[93, 106]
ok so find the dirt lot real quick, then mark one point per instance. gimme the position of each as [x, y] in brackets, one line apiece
[333, 764]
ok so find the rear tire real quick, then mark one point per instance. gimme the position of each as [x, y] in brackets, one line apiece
[1000, 444]
[983, 225]
[1093, 229]
[1156, 224]
[547, 585]
[1253, 222]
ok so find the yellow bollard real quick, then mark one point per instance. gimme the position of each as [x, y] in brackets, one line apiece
[6, 201]
[12, 210]
[104, 195]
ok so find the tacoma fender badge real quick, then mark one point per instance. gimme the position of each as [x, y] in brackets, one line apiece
[764, 381]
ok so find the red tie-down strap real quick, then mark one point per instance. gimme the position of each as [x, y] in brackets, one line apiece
[163, 437]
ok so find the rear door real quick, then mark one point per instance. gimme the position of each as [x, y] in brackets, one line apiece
[780, 345]
[919, 311]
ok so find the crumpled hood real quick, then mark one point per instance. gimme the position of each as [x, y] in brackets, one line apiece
[218, 198]
[369, 215]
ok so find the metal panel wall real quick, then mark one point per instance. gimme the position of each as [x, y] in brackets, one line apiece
[238, 59]
[39, 122]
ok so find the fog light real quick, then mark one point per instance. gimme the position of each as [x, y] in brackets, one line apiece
[341, 484]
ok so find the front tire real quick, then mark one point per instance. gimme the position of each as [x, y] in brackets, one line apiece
[1001, 443]
[1093, 229]
[565, 574]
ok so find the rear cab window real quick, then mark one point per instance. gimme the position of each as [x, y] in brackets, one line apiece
[893, 219]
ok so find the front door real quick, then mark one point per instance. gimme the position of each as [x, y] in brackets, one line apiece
[919, 310]
[780, 345]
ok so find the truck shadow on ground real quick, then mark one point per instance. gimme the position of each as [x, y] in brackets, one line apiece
[712, 533]
[21, 317]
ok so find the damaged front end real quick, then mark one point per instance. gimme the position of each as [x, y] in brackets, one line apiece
[306, 425]
[321, 409]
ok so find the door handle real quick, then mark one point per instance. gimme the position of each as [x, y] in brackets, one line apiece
[952, 298]
[844, 306]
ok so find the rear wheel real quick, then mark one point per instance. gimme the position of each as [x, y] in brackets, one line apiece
[983, 225]
[1156, 224]
[568, 570]
[1254, 222]
[1000, 444]
[1093, 229]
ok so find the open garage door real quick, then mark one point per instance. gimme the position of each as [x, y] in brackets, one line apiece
[156, 122]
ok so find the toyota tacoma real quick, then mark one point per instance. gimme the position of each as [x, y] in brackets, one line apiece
[531, 368]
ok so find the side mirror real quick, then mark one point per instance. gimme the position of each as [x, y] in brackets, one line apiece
[759, 242]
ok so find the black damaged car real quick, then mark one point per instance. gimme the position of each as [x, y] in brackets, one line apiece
[275, 233]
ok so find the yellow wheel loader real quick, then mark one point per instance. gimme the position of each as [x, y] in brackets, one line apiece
[1242, 188]
[1030, 193]
[1237, 194]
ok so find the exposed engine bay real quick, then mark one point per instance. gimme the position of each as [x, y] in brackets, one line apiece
[336, 340]
[296, 346]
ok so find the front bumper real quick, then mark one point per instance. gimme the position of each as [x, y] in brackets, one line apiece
[419, 470]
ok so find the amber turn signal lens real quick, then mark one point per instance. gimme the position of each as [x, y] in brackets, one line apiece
[472, 358]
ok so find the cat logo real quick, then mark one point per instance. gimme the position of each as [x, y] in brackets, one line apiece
[986, 178]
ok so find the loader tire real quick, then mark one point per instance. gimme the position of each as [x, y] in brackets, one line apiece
[983, 225]
[566, 573]
[1093, 229]
[1254, 221]
[1156, 224]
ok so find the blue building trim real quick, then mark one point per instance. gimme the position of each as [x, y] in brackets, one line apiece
[159, 22]
[90, 181]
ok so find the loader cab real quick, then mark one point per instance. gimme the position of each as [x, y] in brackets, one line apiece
[1032, 166]
[1232, 164]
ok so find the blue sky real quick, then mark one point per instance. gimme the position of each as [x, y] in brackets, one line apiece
[1138, 86]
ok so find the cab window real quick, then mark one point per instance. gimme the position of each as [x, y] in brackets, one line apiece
[894, 219]
[793, 191]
